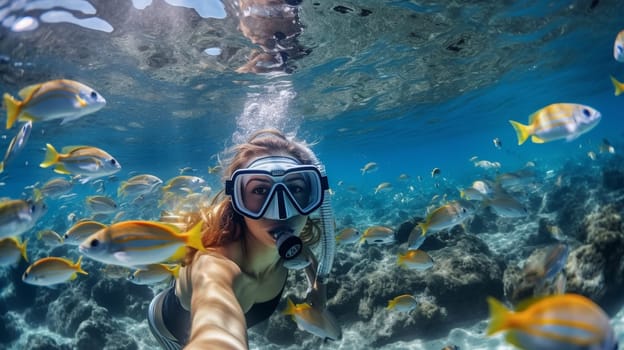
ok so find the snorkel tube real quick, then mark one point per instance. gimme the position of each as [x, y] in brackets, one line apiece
[327, 241]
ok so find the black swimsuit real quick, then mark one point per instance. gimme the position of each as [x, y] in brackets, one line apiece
[178, 320]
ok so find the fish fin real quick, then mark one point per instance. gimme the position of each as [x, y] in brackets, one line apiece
[400, 260]
[572, 137]
[81, 102]
[178, 255]
[60, 169]
[290, 307]
[13, 108]
[512, 339]
[51, 156]
[175, 270]
[619, 87]
[69, 119]
[522, 131]
[194, 237]
[27, 92]
[391, 305]
[122, 256]
[498, 316]
[73, 276]
[22, 248]
[81, 179]
[1, 167]
[536, 139]
[423, 227]
[78, 267]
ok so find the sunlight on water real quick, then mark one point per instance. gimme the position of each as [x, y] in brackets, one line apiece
[204, 8]
[94, 23]
[13, 16]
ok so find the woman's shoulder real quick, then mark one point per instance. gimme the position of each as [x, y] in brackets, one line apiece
[214, 258]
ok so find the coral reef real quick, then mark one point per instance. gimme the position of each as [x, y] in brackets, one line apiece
[464, 269]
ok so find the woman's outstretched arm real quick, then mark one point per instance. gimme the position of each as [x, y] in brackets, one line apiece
[217, 319]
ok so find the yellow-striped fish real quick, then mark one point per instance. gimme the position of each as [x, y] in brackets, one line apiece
[81, 231]
[55, 99]
[557, 121]
[184, 184]
[155, 273]
[11, 249]
[446, 216]
[56, 187]
[348, 235]
[138, 185]
[18, 216]
[556, 322]
[402, 303]
[90, 162]
[369, 167]
[52, 270]
[384, 186]
[378, 235]
[50, 238]
[101, 204]
[309, 319]
[415, 260]
[504, 205]
[139, 243]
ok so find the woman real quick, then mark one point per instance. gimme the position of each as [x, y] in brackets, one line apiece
[253, 234]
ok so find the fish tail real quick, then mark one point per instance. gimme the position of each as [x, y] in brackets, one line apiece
[37, 195]
[391, 305]
[13, 108]
[522, 131]
[22, 248]
[423, 227]
[1, 166]
[51, 156]
[498, 316]
[619, 87]
[79, 268]
[194, 237]
[121, 190]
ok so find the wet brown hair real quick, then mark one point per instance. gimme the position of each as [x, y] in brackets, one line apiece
[221, 223]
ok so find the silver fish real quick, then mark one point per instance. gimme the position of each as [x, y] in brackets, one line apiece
[17, 144]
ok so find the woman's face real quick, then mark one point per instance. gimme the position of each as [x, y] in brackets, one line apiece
[256, 190]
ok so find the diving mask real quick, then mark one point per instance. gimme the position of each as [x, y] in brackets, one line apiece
[276, 188]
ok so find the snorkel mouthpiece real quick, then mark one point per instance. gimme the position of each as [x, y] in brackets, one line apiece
[289, 246]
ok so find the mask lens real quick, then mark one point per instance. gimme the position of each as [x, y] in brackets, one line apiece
[298, 184]
[255, 191]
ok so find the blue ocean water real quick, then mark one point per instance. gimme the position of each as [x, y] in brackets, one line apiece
[410, 85]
